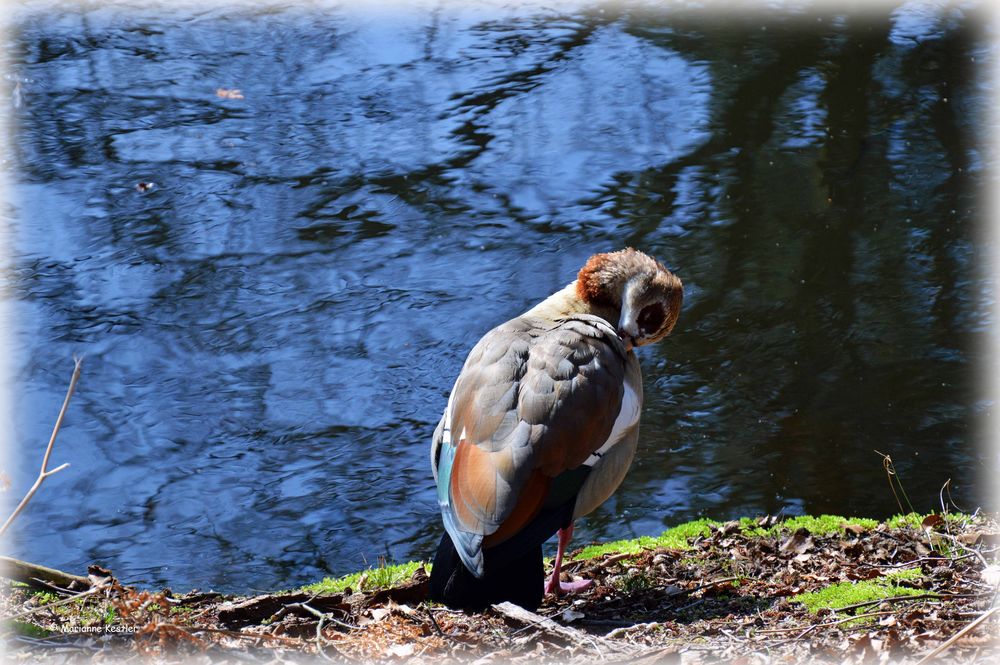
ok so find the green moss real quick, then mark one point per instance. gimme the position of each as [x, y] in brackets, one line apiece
[677, 537]
[674, 538]
[844, 594]
[45, 597]
[27, 629]
[633, 546]
[904, 574]
[825, 525]
[749, 527]
[382, 577]
[911, 520]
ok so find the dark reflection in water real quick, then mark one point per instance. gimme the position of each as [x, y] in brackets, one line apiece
[272, 330]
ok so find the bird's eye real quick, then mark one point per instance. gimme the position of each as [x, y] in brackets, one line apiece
[650, 319]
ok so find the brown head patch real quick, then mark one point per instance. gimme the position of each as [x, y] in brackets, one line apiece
[591, 287]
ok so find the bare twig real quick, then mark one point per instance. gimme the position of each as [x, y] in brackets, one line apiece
[434, 621]
[321, 641]
[711, 584]
[822, 625]
[45, 472]
[65, 601]
[624, 630]
[249, 636]
[957, 636]
[912, 562]
[920, 596]
[956, 541]
[571, 635]
[890, 473]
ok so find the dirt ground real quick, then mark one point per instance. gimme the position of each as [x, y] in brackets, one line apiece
[729, 597]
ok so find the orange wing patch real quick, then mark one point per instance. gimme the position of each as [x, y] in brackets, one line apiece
[473, 485]
[529, 503]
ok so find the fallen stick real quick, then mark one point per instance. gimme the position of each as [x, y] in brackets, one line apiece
[957, 636]
[31, 573]
[900, 599]
[65, 601]
[45, 472]
[566, 633]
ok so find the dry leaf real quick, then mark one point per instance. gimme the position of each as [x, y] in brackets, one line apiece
[971, 538]
[569, 616]
[798, 542]
[931, 521]
[855, 529]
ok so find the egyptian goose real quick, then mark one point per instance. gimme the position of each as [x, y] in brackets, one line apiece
[541, 427]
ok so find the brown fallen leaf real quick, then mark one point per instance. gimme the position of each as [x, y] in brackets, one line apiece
[377, 614]
[855, 529]
[931, 521]
[798, 542]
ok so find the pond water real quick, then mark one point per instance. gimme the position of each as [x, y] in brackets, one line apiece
[276, 230]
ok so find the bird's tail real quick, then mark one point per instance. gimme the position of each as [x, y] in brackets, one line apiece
[519, 580]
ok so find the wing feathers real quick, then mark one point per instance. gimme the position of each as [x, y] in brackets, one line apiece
[534, 399]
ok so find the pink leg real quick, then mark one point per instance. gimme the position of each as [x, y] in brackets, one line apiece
[554, 585]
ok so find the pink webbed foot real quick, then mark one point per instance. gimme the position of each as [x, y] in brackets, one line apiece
[554, 585]
[576, 586]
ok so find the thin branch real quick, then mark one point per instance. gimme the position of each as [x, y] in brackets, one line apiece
[65, 601]
[956, 541]
[900, 599]
[248, 636]
[323, 617]
[811, 627]
[957, 636]
[45, 472]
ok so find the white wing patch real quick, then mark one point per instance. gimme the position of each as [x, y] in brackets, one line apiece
[628, 416]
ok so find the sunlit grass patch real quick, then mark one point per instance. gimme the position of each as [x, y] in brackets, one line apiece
[381, 577]
[911, 520]
[633, 546]
[674, 538]
[844, 594]
[679, 536]
[916, 520]
[825, 525]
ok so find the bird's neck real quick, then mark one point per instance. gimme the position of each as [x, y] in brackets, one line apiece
[566, 302]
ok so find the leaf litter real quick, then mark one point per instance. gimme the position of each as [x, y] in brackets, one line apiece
[900, 592]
